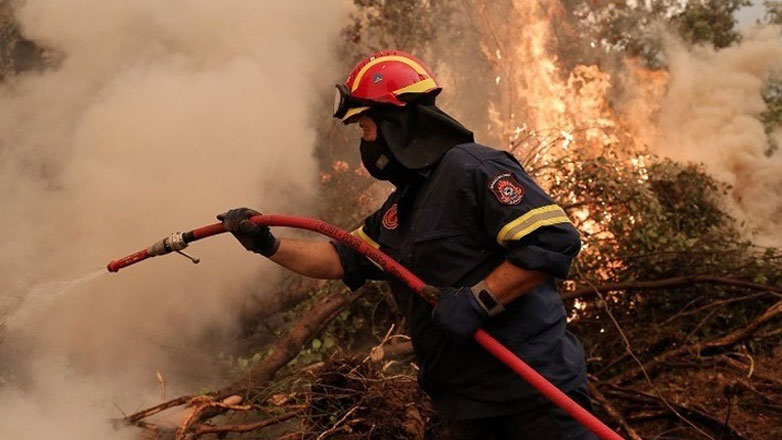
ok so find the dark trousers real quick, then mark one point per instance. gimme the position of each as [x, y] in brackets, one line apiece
[547, 422]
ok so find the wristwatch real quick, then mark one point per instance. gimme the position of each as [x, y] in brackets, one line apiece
[486, 299]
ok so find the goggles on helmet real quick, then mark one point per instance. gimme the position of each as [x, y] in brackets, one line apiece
[343, 102]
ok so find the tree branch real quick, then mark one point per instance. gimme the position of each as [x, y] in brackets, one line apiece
[587, 291]
[707, 420]
[729, 339]
[135, 418]
[202, 429]
[613, 412]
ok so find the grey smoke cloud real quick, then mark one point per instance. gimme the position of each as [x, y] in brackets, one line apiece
[158, 116]
[711, 114]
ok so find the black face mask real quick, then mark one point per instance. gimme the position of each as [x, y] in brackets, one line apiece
[381, 164]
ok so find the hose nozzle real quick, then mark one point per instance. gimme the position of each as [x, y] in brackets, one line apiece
[172, 243]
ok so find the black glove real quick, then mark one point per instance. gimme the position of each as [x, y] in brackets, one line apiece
[254, 238]
[458, 312]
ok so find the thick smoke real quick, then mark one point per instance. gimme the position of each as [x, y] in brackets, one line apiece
[158, 116]
[711, 114]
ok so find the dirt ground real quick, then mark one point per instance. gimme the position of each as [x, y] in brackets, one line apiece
[358, 400]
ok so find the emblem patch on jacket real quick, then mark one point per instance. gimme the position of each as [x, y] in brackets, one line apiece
[507, 189]
[389, 218]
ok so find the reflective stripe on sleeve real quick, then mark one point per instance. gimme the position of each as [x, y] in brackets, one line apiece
[544, 216]
[362, 235]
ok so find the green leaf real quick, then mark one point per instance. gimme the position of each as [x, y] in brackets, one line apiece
[316, 344]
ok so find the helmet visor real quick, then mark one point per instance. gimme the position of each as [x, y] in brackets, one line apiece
[346, 105]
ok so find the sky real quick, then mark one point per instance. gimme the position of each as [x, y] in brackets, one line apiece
[747, 16]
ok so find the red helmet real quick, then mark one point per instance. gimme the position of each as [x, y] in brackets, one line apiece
[385, 77]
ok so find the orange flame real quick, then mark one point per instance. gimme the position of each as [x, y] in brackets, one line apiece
[545, 111]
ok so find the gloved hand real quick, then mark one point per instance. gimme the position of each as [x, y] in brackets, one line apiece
[254, 238]
[458, 311]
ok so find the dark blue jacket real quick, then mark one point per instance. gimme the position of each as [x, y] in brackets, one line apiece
[474, 210]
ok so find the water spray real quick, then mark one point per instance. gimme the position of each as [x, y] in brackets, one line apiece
[180, 240]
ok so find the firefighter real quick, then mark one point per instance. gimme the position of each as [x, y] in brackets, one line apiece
[467, 219]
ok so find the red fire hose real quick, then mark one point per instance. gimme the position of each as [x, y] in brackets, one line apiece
[177, 242]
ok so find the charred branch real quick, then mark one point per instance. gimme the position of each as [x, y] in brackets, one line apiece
[724, 341]
[708, 421]
[613, 412]
[203, 428]
[588, 291]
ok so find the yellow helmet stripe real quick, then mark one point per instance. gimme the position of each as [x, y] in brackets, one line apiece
[420, 86]
[353, 111]
[417, 67]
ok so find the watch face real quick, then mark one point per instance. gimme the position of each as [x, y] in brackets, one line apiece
[487, 300]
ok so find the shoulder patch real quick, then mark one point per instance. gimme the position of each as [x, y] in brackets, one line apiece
[389, 218]
[507, 189]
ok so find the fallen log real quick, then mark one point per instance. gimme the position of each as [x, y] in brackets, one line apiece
[289, 346]
[255, 309]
